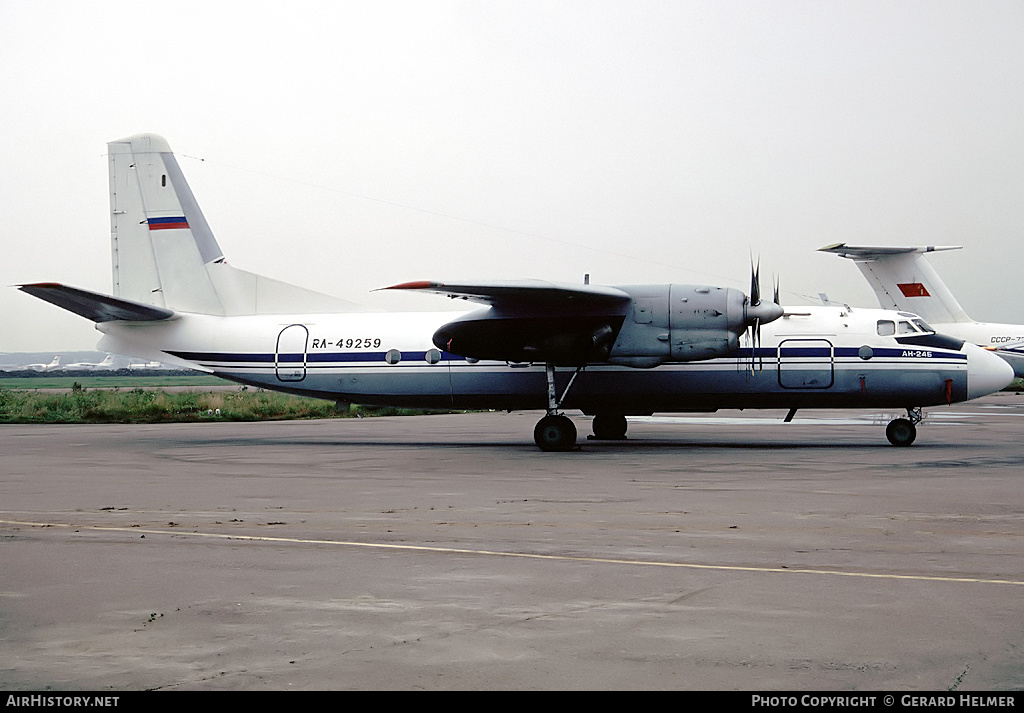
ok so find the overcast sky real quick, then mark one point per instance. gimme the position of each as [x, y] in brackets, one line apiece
[346, 146]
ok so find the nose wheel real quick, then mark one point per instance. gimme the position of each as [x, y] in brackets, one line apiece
[903, 431]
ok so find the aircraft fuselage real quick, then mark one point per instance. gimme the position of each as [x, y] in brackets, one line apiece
[820, 357]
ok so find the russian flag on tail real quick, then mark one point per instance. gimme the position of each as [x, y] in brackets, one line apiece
[177, 223]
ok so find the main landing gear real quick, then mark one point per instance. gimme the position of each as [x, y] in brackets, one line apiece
[609, 426]
[903, 431]
[555, 432]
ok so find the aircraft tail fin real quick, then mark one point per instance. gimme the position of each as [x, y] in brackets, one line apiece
[902, 279]
[164, 252]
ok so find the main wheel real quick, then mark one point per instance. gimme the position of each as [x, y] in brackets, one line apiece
[610, 426]
[555, 433]
[901, 432]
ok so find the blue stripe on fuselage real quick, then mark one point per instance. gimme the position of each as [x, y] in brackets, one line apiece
[314, 360]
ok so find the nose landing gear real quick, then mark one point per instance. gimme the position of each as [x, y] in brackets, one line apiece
[903, 431]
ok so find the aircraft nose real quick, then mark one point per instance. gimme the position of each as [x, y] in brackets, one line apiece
[986, 372]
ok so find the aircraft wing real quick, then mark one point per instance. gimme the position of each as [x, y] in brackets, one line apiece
[531, 320]
[94, 305]
[515, 293]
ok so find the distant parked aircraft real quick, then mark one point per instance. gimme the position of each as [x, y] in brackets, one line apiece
[150, 365]
[903, 279]
[106, 365]
[52, 366]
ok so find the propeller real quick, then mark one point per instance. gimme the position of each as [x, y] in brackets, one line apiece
[758, 312]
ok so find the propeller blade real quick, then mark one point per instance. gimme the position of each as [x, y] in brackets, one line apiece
[756, 363]
[755, 282]
[757, 312]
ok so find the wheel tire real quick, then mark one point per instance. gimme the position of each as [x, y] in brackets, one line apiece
[901, 432]
[555, 433]
[609, 426]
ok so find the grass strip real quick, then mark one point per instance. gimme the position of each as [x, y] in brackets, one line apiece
[82, 405]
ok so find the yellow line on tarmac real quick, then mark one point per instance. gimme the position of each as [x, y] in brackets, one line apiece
[523, 555]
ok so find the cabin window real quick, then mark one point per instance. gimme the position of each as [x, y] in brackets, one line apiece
[393, 356]
[886, 328]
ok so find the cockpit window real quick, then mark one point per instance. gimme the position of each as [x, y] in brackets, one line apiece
[886, 328]
[906, 328]
[922, 325]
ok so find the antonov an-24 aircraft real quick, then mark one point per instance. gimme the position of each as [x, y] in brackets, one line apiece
[611, 352]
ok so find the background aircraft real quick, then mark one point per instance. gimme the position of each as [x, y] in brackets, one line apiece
[607, 351]
[106, 365]
[52, 366]
[904, 280]
[148, 365]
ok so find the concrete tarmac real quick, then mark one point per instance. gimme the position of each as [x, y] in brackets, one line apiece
[448, 552]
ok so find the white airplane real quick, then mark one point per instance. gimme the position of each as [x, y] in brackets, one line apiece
[607, 351]
[904, 280]
[106, 365]
[149, 365]
[52, 366]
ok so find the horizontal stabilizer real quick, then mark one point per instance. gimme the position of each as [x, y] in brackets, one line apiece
[95, 306]
[874, 252]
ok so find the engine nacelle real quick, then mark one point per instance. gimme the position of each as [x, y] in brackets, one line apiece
[679, 323]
